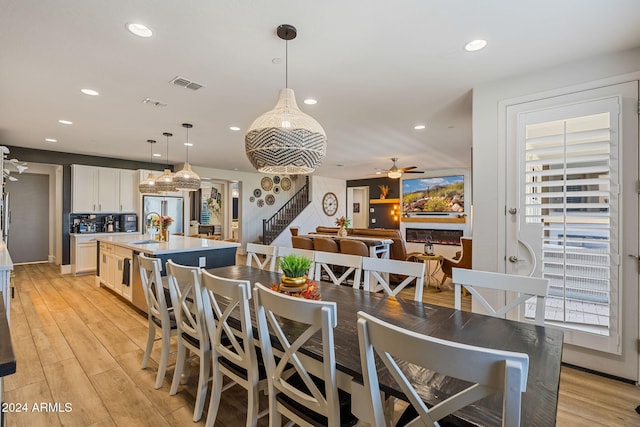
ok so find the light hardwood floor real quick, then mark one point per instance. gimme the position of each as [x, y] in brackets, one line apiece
[79, 344]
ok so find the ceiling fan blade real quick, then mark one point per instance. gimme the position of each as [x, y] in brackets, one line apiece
[413, 171]
[408, 168]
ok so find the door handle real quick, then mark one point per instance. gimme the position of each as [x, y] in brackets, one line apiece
[514, 259]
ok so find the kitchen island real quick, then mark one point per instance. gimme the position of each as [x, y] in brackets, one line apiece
[118, 262]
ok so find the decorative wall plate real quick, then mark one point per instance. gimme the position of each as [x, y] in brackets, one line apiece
[285, 184]
[276, 189]
[260, 203]
[270, 199]
[266, 183]
[276, 179]
[252, 199]
[257, 193]
[294, 177]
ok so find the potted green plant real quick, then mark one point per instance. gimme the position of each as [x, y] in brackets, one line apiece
[295, 268]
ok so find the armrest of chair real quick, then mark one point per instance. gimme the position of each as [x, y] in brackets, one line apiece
[411, 256]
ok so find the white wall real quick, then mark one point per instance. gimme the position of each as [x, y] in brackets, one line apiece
[489, 142]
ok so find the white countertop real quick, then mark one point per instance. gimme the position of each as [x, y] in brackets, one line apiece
[174, 245]
[5, 259]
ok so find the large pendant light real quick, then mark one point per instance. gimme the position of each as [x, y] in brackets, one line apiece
[285, 140]
[164, 182]
[148, 185]
[187, 179]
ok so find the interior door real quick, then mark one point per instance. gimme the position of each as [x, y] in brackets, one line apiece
[572, 217]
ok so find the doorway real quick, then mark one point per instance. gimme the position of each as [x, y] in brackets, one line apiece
[572, 217]
[28, 236]
[358, 206]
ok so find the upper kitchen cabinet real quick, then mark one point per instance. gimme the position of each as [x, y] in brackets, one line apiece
[107, 190]
[128, 191]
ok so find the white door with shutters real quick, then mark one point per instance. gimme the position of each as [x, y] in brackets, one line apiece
[572, 217]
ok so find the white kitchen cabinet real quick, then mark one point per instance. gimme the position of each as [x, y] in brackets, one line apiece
[122, 284]
[107, 265]
[83, 254]
[128, 191]
[103, 190]
[83, 187]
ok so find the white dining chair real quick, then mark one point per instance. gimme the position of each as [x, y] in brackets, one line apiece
[379, 270]
[285, 250]
[326, 261]
[490, 371]
[159, 314]
[186, 296]
[310, 396]
[527, 287]
[233, 350]
[256, 250]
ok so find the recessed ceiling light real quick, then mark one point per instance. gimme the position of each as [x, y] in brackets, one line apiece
[188, 144]
[139, 30]
[157, 155]
[90, 92]
[419, 127]
[276, 60]
[310, 101]
[474, 45]
[51, 140]
[65, 122]
[378, 173]
[234, 128]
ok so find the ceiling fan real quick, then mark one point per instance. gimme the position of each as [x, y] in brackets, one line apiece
[395, 172]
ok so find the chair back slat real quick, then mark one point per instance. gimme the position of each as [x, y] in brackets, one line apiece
[254, 250]
[490, 371]
[151, 279]
[186, 295]
[414, 272]
[325, 261]
[527, 287]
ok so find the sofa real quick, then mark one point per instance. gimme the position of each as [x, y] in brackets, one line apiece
[398, 247]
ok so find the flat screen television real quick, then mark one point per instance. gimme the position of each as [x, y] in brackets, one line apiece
[433, 195]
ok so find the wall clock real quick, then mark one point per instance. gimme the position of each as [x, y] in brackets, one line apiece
[330, 204]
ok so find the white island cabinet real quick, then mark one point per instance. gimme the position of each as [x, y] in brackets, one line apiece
[6, 266]
[118, 269]
[84, 251]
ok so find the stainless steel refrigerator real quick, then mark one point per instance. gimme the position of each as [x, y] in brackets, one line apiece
[161, 205]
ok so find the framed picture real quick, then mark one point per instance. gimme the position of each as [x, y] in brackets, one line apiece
[356, 208]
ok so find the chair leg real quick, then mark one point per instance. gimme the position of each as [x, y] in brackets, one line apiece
[150, 339]
[275, 418]
[177, 373]
[216, 395]
[203, 384]
[252, 405]
[164, 356]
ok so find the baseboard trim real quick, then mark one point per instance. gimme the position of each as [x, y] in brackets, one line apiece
[65, 269]
[600, 374]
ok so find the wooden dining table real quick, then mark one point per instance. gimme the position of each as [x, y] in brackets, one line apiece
[542, 344]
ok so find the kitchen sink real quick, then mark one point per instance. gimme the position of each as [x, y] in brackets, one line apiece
[142, 242]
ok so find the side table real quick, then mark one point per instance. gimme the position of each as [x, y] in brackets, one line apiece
[429, 274]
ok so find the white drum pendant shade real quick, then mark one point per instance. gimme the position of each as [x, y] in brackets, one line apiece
[285, 140]
[186, 179]
[148, 185]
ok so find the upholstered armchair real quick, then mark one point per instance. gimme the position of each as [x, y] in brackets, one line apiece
[462, 259]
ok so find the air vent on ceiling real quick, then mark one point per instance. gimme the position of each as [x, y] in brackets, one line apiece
[186, 83]
[154, 102]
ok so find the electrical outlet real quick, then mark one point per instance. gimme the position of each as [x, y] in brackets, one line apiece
[373, 220]
[202, 261]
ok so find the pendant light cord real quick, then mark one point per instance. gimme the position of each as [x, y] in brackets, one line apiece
[286, 64]
[167, 151]
[187, 145]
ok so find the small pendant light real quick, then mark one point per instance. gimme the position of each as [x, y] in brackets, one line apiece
[148, 185]
[285, 140]
[187, 179]
[164, 182]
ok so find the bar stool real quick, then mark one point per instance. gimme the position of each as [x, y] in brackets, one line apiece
[299, 242]
[325, 245]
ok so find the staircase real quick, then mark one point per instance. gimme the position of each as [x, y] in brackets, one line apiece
[272, 227]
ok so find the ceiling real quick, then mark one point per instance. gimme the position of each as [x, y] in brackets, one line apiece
[376, 67]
